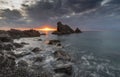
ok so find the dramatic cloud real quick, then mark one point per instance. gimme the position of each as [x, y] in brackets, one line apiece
[37, 12]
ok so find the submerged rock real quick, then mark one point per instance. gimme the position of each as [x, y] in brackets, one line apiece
[22, 63]
[18, 45]
[22, 54]
[61, 55]
[66, 69]
[36, 50]
[24, 43]
[53, 42]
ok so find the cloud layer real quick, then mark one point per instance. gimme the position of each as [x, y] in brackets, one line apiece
[26, 13]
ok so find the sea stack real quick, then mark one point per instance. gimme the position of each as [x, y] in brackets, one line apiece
[77, 30]
[65, 29]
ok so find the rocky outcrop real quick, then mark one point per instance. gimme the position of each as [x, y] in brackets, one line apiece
[26, 33]
[65, 29]
[78, 30]
[53, 42]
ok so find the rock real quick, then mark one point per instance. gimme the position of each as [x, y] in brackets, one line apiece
[39, 39]
[17, 45]
[5, 38]
[66, 69]
[43, 34]
[59, 44]
[63, 29]
[7, 61]
[61, 55]
[78, 30]
[26, 33]
[22, 54]
[15, 33]
[23, 43]
[22, 63]
[31, 33]
[8, 47]
[53, 42]
[38, 59]
[36, 50]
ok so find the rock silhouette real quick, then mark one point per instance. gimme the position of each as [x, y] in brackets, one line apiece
[65, 29]
[78, 30]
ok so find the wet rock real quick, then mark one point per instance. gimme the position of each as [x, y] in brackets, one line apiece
[8, 47]
[22, 63]
[18, 45]
[7, 61]
[43, 34]
[61, 55]
[78, 30]
[38, 59]
[59, 44]
[53, 42]
[35, 50]
[23, 43]
[66, 69]
[5, 38]
[22, 54]
[39, 39]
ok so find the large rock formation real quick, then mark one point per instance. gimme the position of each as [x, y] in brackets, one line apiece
[26, 33]
[65, 29]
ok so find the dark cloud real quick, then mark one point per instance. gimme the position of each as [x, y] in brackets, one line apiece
[11, 15]
[44, 10]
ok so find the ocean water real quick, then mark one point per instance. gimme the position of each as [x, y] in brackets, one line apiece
[95, 54]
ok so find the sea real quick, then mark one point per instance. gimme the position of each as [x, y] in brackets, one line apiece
[94, 53]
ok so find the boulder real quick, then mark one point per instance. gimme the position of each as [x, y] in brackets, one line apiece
[38, 59]
[23, 43]
[78, 30]
[5, 38]
[6, 61]
[22, 54]
[66, 69]
[39, 39]
[63, 29]
[17, 45]
[36, 50]
[8, 47]
[61, 55]
[22, 63]
[53, 42]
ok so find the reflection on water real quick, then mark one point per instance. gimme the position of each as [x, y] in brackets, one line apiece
[96, 54]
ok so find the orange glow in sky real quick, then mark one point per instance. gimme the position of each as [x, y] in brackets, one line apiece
[46, 28]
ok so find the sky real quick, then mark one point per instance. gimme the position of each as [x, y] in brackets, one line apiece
[85, 14]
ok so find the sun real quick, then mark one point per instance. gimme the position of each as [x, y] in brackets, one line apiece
[47, 29]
